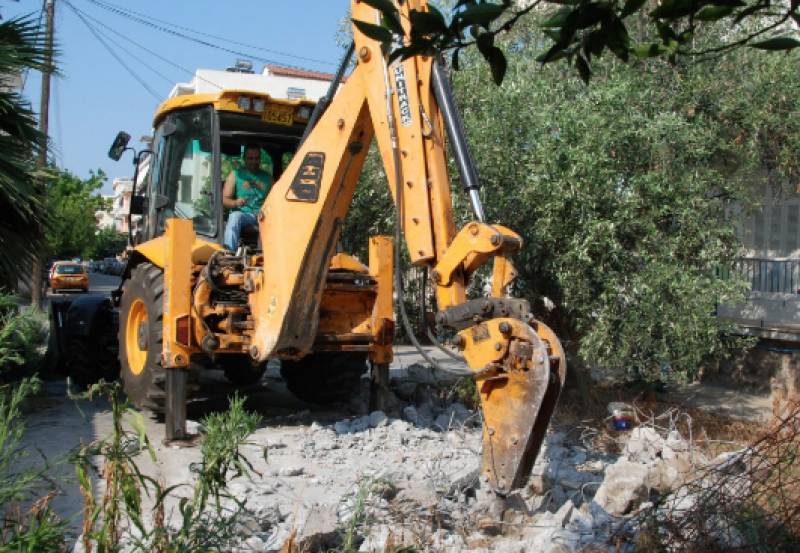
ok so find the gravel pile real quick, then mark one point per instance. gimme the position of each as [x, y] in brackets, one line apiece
[382, 481]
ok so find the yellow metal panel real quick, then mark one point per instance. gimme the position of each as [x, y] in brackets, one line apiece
[177, 288]
[155, 250]
[381, 268]
[471, 247]
[345, 262]
[403, 81]
[503, 274]
[286, 298]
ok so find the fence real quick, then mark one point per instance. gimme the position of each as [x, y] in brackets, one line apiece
[771, 275]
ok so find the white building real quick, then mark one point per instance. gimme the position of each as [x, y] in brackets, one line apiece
[117, 215]
[104, 217]
[275, 80]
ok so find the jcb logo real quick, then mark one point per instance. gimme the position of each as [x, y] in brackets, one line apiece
[306, 183]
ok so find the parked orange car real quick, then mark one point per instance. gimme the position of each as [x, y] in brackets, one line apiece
[69, 276]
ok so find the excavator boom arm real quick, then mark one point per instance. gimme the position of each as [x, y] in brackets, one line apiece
[517, 362]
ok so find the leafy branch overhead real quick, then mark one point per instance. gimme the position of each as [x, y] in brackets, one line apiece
[578, 31]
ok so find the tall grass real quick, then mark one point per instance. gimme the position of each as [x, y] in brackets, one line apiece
[206, 513]
[28, 523]
[22, 333]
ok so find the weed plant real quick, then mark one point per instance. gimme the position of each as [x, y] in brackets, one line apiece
[117, 519]
[28, 523]
[21, 335]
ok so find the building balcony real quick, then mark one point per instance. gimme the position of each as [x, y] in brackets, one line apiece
[772, 307]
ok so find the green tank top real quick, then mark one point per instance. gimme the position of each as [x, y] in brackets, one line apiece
[258, 185]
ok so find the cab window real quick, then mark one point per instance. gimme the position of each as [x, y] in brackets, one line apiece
[186, 187]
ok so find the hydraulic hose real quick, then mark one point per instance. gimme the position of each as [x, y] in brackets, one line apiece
[398, 235]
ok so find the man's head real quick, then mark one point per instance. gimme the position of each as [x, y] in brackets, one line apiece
[252, 157]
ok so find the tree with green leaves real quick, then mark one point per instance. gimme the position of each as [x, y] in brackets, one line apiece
[71, 203]
[624, 191]
[108, 242]
[22, 48]
[579, 32]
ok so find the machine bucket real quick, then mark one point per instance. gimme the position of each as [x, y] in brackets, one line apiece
[517, 406]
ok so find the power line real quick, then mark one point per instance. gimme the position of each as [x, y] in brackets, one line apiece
[111, 6]
[138, 19]
[113, 53]
[113, 41]
[145, 48]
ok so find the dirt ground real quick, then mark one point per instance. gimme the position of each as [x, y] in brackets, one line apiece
[429, 451]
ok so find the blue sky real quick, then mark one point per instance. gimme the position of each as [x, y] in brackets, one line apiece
[95, 97]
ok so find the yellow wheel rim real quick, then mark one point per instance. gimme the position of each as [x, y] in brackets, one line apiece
[136, 336]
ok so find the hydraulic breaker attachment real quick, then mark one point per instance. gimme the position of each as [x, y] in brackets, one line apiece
[520, 371]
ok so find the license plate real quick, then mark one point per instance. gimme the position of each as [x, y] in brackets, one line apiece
[280, 115]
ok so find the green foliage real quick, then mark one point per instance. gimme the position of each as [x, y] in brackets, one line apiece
[71, 204]
[28, 524]
[628, 189]
[22, 47]
[118, 521]
[624, 192]
[22, 333]
[106, 243]
[580, 31]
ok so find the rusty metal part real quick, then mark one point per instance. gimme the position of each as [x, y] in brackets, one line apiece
[464, 316]
[520, 371]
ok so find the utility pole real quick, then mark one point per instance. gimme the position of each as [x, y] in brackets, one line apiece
[44, 124]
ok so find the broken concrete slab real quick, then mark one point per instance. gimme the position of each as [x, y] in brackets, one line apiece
[644, 445]
[626, 484]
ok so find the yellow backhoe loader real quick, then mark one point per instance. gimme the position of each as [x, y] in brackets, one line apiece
[285, 293]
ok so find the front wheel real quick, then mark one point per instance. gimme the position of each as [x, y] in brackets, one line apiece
[140, 338]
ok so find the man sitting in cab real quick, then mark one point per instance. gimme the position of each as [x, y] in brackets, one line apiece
[244, 192]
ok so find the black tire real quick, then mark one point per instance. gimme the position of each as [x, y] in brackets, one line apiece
[93, 358]
[143, 376]
[324, 378]
[240, 370]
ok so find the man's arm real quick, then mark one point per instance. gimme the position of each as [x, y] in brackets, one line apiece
[229, 191]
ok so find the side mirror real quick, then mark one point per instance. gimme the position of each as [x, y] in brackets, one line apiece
[119, 145]
[161, 201]
[138, 205]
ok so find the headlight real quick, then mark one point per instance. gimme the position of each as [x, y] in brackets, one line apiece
[304, 112]
[258, 104]
[244, 103]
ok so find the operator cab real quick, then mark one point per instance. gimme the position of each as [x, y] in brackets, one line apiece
[198, 140]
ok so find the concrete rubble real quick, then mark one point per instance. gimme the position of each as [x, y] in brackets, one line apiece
[382, 481]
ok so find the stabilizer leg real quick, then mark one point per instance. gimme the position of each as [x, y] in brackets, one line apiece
[175, 416]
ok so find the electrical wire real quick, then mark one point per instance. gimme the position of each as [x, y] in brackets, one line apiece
[143, 21]
[145, 48]
[113, 41]
[111, 6]
[116, 56]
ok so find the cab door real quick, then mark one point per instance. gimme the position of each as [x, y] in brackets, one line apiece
[183, 183]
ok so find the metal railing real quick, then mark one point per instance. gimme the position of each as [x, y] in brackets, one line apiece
[770, 275]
